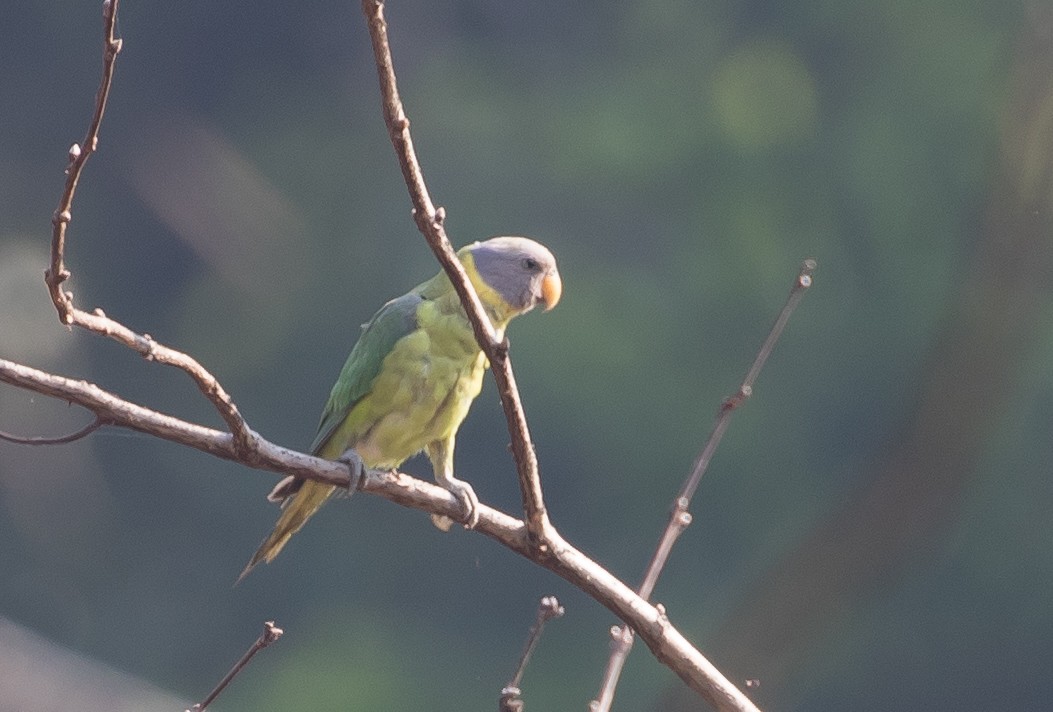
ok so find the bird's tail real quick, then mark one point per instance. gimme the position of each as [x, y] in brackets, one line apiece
[297, 510]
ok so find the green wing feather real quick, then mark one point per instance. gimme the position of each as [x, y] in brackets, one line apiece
[302, 498]
[395, 319]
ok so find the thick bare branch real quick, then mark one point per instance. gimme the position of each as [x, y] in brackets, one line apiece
[651, 623]
[429, 221]
[116, 411]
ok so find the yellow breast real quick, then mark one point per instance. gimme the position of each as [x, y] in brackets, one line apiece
[423, 391]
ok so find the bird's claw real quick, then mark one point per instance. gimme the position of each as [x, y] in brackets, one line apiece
[356, 469]
[469, 503]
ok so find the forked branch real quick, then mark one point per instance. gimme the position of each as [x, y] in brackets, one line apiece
[429, 221]
[96, 321]
[534, 539]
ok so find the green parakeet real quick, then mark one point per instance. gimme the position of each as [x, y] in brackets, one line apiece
[413, 374]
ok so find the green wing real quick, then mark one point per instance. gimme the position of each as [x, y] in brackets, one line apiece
[395, 319]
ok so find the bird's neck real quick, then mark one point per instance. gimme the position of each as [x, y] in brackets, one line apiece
[497, 309]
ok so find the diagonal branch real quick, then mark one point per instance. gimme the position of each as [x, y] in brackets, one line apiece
[550, 547]
[650, 623]
[271, 633]
[429, 221]
[511, 699]
[679, 516]
[97, 321]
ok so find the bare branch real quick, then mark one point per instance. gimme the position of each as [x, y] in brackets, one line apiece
[548, 547]
[270, 634]
[651, 623]
[57, 273]
[97, 321]
[429, 221]
[801, 283]
[534, 539]
[511, 696]
[679, 517]
[61, 440]
[116, 411]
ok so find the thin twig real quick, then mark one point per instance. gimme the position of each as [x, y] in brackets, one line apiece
[97, 321]
[270, 634]
[79, 154]
[511, 696]
[61, 440]
[429, 221]
[667, 643]
[679, 517]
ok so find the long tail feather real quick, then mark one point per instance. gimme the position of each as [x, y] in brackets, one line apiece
[298, 509]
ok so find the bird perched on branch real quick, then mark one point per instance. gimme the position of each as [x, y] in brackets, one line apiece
[412, 376]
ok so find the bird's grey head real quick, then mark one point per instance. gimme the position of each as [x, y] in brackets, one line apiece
[519, 269]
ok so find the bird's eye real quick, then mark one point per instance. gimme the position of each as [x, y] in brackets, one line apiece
[531, 264]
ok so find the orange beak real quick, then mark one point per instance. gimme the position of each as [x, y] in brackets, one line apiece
[551, 289]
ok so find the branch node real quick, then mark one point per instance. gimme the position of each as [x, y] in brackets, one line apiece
[550, 608]
[271, 633]
[539, 545]
[440, 216]
[150, 348]
[500, 349]
[511, 700]
[246, 443]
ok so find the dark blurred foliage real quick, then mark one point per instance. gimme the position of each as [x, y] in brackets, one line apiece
[874, 532]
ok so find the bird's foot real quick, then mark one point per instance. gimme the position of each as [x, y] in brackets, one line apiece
[355, 467]
[286, 488]
[469, 502]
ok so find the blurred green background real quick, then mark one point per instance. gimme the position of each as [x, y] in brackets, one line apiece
[875, 532]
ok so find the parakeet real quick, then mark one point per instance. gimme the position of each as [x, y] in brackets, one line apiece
[414, 372]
